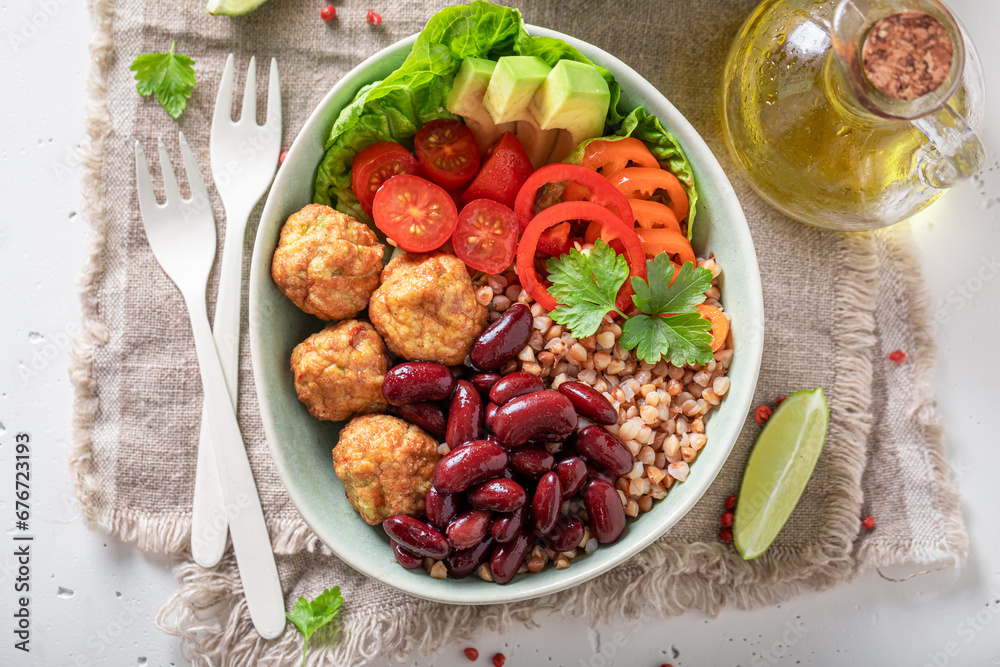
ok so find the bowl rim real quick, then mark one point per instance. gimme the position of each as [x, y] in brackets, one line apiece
[751, 348]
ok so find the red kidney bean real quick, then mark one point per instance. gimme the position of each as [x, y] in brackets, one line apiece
[460, 469]
[469, 529]
[405, 557]
[504, 338]
[483, 382]
[546, 503]
[465, 415]
[542, 414]
[604, 508]
[594, 472]
[491, 411]
[441, 508]
[428, 416]
[572, 473]
[462, 563]
[589, 402]
[416, 536]
[566, 534]
[513, 385]
[499, 495]
[417, 381]
[603, 449]
[532, 462]
[507, 558]
[507, 526]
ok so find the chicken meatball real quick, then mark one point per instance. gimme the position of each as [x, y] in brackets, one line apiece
[339, 371]
[385, 466]
[426, 308]
[327, 263]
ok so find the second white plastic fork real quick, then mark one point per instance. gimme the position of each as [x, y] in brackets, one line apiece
[244, 159]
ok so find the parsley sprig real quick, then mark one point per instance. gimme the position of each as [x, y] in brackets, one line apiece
[668, 324]
[309, 616]
[168, 75]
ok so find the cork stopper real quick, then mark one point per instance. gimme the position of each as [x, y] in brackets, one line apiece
[907, 55]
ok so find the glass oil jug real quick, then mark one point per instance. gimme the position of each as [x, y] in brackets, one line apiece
[853, 115]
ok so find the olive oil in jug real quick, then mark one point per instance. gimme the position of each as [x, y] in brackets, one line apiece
[856, 114]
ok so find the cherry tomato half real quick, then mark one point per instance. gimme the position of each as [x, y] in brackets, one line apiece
[416, 214]
[447, 151]
[376, 164]
[506, 169]
[486, 236]
[601, 191]
[577, 210]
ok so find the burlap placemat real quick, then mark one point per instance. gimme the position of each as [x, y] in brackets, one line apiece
[836, 306]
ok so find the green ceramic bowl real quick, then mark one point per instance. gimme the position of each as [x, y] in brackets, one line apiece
[301, 445]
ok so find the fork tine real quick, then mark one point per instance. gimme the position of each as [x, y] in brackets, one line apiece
[223, 114]
[143, 183]
[273, 97]
[199, 195]
[169, 180]
[249, 113]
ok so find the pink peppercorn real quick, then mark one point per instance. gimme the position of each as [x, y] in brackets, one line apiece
[762, 414]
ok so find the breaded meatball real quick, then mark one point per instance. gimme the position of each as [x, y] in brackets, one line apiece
[339, 371]
[327, 263]
[385, 466]
[426, 308]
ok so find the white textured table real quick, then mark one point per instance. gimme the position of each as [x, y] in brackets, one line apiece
[93, 599]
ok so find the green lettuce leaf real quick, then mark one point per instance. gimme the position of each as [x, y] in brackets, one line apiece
[415, 94]
[664, 147]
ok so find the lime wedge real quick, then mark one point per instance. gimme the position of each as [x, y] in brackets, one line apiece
[778, 470]
[232, 7]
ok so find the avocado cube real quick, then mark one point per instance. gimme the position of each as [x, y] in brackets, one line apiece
[573, 97]
[513, 85]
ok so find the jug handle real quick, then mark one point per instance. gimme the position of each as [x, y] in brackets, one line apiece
[959, 151]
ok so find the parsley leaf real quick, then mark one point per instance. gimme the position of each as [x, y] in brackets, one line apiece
[682, 339]
[657, 294]
[586, 287]
[310, 616]
[668, 325]
[170, 76]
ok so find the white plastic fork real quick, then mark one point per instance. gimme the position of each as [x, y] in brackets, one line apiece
[244, 159]
[181, 234]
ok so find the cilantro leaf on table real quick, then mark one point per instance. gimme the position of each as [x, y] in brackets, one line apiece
[309, 616]
[170, 76]
[586, 286]
[657, 294]
[682, 339]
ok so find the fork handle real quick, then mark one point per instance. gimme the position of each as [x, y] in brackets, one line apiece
[208, 515]
[251, 542]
